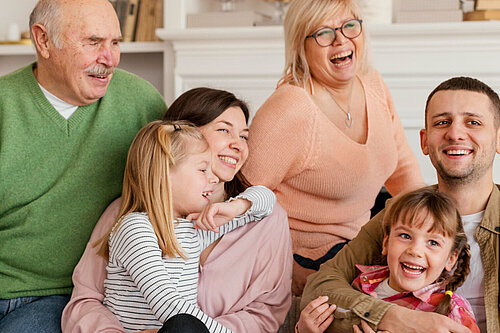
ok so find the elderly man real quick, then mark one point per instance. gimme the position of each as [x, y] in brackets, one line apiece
[461, 137]
[66, 122]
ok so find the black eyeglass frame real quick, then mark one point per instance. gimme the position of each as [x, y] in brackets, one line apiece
[335, 32]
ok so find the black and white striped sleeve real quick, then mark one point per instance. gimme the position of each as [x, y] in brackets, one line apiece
[134, 245]
[263, 201]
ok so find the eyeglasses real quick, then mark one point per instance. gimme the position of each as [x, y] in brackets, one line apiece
[326, 36]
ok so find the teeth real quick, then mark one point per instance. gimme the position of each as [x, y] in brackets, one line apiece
[413, 267]
[458, 152]
[341, 55]
[227, 159]
[415, 270]
[206, 194]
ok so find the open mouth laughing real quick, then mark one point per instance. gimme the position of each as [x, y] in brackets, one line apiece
[342, 59]
[412, 269]
[206, 194]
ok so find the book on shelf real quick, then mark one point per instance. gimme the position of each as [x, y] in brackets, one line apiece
[487, 4]
[429, 16]
[149, 18]
[424, 5]
[482, 15]
[121, 10]
[129, 20]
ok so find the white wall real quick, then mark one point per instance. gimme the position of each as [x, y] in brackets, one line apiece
[15, 11]
[412, 58]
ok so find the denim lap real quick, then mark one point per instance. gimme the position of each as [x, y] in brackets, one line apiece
[32, 314]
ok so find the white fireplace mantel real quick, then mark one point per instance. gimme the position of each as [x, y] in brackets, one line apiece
[412, 58]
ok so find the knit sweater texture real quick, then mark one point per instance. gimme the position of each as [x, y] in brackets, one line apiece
[327, 182]
[57, 176]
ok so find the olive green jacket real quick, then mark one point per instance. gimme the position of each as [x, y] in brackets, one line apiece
[335, 276]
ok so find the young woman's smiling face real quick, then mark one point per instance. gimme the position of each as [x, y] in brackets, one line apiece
[227, 137]
[416, 256]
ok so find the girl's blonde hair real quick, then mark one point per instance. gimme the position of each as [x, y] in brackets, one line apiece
[302, 19]
[157, 147]
[413, 209]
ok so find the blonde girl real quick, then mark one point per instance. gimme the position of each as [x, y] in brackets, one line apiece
[153, 247]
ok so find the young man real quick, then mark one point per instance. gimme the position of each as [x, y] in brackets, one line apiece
[461, 137]
[66, 122]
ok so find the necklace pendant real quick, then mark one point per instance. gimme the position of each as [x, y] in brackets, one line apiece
[348, 120]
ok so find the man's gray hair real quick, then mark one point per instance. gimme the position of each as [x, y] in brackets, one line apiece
[48, 14]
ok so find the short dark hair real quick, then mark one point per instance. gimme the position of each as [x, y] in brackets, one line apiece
[201, 106]
[469, 84]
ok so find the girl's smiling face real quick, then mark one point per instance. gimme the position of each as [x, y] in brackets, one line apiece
[417, 256]
[227, 137]
[192, 181]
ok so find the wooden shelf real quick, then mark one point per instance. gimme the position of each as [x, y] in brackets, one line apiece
[131, 47]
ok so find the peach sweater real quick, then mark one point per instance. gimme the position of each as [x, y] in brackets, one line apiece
[326, 182]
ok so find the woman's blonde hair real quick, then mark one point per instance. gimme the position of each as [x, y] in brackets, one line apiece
[157, 147]
[302, 19]
[412, 209]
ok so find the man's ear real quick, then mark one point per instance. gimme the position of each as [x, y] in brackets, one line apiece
[41, 40]
[452, 259]
[423, 142]
[385, 244]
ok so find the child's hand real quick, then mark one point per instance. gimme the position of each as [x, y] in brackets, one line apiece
[216, 214]
[316, 316]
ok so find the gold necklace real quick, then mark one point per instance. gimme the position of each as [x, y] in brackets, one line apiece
[349, 119]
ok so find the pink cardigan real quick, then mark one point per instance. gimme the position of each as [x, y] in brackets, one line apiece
[244, 283]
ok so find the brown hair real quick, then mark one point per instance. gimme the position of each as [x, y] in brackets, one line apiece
[469, 84]
[302, 19]
[201, 106]
[408, 209]
[157, 147]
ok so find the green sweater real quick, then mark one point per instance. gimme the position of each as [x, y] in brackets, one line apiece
[57, 176]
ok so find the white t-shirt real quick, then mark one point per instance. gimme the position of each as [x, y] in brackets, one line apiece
[383, 290]
[473, 287]
[64, 108]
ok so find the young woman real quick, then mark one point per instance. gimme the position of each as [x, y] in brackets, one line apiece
[245, 278]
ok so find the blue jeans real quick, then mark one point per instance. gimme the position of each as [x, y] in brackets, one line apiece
[32, 314]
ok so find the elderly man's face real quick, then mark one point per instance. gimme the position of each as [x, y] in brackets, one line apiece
[82, 69]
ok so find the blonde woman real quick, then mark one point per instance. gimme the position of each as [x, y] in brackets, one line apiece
[328, 138]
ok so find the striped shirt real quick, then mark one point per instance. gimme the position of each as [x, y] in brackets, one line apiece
[144, 289]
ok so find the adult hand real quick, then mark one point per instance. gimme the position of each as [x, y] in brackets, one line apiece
[365, 328]
[216, 214]
[400, 319]
[316, 316]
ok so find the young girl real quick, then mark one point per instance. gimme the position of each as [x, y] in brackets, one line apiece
[153, 247]
[427, 257]
[427, 260]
